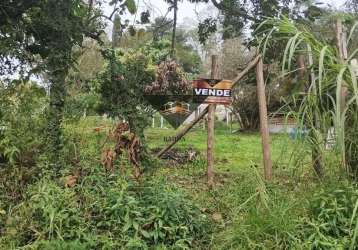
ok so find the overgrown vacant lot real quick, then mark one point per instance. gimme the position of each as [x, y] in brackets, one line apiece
[90, 94]
[246, 213]
[241, 211]
[170, 206]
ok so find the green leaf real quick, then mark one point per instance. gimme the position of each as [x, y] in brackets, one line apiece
[127, 226]
[135, 225]
[131, 6]
[145, 234]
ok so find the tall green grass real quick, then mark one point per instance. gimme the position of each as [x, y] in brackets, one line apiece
[319, 107]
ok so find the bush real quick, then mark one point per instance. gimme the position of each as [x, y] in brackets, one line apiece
[333, 221]
[22, 123]
[152, 213]
[104, 212]
[48, 212]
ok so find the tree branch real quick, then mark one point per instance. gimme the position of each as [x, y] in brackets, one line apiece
[232, 11]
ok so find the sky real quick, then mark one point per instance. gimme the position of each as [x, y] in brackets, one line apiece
[188, 12]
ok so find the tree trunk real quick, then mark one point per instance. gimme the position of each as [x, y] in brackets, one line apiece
[55, 116]
[316, 152]
[175, 6]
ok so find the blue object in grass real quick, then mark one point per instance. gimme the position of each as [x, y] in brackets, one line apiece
[298, 133]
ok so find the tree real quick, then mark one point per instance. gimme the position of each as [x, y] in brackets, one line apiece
[40, 34]
[352, 5]
[232, 24]
[81, 99]
[155, 40]
[173, 5]
[122, 88]
[238, 15]
[116, 31]
[160, 28]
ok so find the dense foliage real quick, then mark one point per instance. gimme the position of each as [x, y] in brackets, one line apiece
[320, 107]
[104, 213]
[64, 175]
[333, 219]
[122, 87]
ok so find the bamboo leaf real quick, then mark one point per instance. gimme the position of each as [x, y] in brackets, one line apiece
[321, 68]
[354, 82]
[351, 32]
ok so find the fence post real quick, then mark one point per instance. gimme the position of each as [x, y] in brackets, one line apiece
[263, 120]
[211, 126]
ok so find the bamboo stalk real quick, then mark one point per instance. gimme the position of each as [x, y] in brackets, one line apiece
[341, 39]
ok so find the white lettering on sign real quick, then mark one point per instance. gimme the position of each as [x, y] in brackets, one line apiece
[197, 91]
[213, 92]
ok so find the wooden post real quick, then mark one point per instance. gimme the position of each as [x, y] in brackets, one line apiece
[202, 113]
[231, 122]
[211, 126]
[263, 120]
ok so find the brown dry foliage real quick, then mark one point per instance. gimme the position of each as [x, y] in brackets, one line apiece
[107, 159]
[170, 80]
[125, 142]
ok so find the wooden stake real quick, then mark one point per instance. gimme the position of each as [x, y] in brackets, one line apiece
[263, 120]
[185, 130]
[211, 126]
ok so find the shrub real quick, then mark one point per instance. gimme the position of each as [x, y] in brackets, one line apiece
[48, 212]
[104, 212]
[21, 122]
[152, 213]
[333, 219]
[22, 108]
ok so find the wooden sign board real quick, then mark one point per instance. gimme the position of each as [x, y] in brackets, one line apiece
[212, 91]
